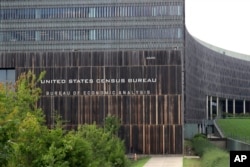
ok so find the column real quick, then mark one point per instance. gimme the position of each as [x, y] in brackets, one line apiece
[233, 106]
[226, 105]
[244, 106]
[211, 107]
[203, 126]
[199, 128]
[207, 107]
[217, 106]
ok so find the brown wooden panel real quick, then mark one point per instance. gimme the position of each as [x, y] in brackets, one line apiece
[140, 145]
[151, 123]
[178, 139]
[160, 110]
[147, 110]
[147, 140]
[135, 139]
[166, 110]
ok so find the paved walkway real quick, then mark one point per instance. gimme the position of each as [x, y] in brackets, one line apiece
[165, 161]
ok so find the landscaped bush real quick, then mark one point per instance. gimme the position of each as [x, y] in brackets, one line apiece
[211, 156]
[236, 115]
[201, 144]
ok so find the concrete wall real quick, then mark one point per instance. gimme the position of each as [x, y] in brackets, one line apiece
[190, 130]
[236, 145]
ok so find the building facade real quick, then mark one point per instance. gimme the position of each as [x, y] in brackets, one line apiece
[130, 58]
[216, 84]
[123, 58]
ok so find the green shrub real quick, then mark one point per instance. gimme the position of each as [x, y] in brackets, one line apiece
[108, 150]
[200, 145]
[199, 136]
[211, 156]
[236, 115]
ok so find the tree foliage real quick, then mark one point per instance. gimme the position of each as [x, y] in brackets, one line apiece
[17, 109]
[26, 141]
[108, 150]
[112, 124]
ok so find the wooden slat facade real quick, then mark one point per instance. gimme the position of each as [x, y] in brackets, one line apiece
[150, 112]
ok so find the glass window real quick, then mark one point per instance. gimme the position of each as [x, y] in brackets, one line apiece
[96, 34]
[92, 34]
[7, 76]
[180, 10]
[144, 10]
[154, 10]
[1, 36]
[77, 12]
[112, 11]
[38, 13]
[107, 12]
[179, 33]
[104, 11]
[121, 14]
[92, 12]
[117, 12]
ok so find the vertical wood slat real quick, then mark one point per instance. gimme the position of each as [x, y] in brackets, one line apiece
[179, 110]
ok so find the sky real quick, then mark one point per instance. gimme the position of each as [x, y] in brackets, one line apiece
[223, 23]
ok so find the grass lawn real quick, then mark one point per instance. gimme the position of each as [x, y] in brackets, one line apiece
[235, 128]
[191, 162]
[140, 162]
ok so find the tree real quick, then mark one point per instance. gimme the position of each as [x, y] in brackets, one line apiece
[7, 123]
[112, 124]
[17, 104]
[26, 141]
